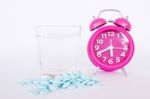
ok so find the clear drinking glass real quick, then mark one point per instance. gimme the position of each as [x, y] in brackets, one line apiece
[58, 48]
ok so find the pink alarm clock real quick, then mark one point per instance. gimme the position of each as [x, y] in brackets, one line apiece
[111, 47]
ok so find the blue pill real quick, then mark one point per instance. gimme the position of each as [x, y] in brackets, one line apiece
[77, 83]
[44, 82]
[65, 85]
[51, 81]
[72, 86]
[42, 87]
[44, 92]
[36, 82]
[79, 80]
[53, 87]
[29, 81]
[35, 92]
[70, 80]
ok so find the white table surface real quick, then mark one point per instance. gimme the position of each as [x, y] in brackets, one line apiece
[18, 53]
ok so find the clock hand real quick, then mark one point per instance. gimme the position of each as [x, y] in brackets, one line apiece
[120, 48]
[111, 51]
[104, 50]
[111, 48]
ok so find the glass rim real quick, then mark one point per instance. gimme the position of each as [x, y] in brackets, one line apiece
[58, 30]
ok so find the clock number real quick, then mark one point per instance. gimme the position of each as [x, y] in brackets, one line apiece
[110, 61]
[117, 59]
[125, 47]
[111, 33]
[103, 35]
[96, 47]
[123, 54]
[104, 58]
[123, 41]
[99, 54]
[99, 41]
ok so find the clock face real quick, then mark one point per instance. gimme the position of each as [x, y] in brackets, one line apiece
[111, 47]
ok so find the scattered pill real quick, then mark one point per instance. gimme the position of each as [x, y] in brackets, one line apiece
[47, 84]
[45, 92]
[35, 92]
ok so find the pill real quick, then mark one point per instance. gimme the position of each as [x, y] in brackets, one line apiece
[35, 92]
[70, 80]
[53, 87]
[41, 87]
[65, 85]
[44, 82]
[36, 82]
[28, 81]
[45, 92]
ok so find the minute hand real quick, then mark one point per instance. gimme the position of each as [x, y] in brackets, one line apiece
[106, 49]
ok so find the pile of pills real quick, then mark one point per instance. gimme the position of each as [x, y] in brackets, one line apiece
[47, 84]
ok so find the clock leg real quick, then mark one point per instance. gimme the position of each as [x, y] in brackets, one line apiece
[124, 71]
[96, 71]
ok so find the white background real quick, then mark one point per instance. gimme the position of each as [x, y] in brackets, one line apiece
[18, 53]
